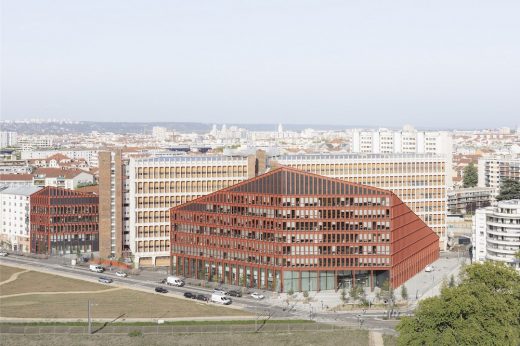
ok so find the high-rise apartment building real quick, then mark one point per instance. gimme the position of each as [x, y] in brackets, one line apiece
[418, 180]
[496, 233]
[63, 222]
[291, 230]
[493, 170]
[114, 213]
[8, 139]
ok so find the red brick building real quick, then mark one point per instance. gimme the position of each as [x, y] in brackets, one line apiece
[64, 222]
[292, 230]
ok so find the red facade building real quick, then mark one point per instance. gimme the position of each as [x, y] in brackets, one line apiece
[291, 230]
[64, 222]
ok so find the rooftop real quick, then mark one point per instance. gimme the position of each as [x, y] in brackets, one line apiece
[20, 190]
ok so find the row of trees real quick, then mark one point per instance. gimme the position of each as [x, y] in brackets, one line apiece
[483, 309]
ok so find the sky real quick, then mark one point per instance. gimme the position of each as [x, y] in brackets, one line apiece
[435, 64]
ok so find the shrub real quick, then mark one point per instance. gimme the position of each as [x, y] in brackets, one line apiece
[134, 333]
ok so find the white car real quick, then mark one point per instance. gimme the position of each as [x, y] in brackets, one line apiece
[121, 274]
[257, 295]
[3, 253]
[428, 269]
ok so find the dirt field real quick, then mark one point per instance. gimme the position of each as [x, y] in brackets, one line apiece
[6, 272]
[122, 303]
[342, 337]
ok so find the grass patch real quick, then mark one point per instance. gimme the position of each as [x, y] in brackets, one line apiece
[170, 323]
[389, 340]
[33, 281]
[6, 272]
[344, 337]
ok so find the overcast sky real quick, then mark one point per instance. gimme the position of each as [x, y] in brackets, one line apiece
[379, 63]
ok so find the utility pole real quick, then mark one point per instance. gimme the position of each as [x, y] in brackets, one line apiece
[89, 320]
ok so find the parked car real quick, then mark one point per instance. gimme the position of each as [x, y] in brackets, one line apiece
[3, 253]
[202, 297]
[105, 280]
[190, 295]
[219, 292]
[219, 299]
[96, 268]
[121, 274]
[257, 295]
[234, 293]
[428, 268]
[161, 289]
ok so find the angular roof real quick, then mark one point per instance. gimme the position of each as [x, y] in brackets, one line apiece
[16, 177]
[20, 190]
[293, 182]
[58, 172]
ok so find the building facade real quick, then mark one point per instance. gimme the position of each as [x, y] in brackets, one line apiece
[63, 222]
[462, 201]
[291, 230]
[418, 180]
[496, 233]
[14, 217]
[157, 183]
[493, 170]
[8, 139]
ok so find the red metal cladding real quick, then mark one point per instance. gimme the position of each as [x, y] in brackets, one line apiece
[292, 230]
[63, 221]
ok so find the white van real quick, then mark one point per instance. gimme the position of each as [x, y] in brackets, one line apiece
[219, 299]
[96, 268]
[174, 281]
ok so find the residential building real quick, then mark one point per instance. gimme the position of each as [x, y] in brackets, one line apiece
[14, 217]
[63, 222]
[32, 142]
[64, 178]
[463, 201]
[292, 230]
[496, 233]
[8, 139]
[90, 156]
[419, 180]
[494, 169]
[12, 180]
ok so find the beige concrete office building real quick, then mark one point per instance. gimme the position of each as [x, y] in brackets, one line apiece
[158, 183]
[419, 180]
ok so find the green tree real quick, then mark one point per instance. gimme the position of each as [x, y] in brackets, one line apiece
[343, 295]
[509, 189]
[404, 292]
[354, 293]
[484, 307]
[452, 281]
[470, 175]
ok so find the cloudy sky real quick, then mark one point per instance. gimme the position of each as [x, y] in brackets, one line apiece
[352, 62]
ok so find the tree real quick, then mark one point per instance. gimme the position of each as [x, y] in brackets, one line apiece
[484, 307]
[354, 293]
[404, 292]
[470, 175]
[343, 295]
[509, 189]
[452, 281]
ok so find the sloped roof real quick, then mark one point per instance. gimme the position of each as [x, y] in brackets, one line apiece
[58, 157]
[15, 177]
[293, 182]
[58, 172]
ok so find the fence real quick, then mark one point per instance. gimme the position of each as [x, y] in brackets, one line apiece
[170, 329]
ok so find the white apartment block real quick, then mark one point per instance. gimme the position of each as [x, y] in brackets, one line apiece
[32, 142]
[492, 170]
[419, 180]
[14, 217]
[496, 233]
[155, 184]
[408, 140]
[8, 139]
[91, 156]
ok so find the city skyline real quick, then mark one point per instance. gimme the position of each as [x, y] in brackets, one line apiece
[429, 65]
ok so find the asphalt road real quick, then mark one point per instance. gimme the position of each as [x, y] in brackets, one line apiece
[150, 280]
